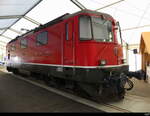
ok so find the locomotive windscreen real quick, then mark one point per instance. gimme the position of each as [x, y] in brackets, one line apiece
[95, 28]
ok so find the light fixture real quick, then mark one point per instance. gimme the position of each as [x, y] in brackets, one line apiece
[102, 62]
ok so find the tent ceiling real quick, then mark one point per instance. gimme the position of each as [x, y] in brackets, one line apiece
[133, 15]
[13, 10]
[6, 23]
[1, 31]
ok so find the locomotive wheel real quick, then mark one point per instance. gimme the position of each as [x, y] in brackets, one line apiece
[36, 76]
[9, 69]
[47, 80]
[15, 71]
[50, 81]
[79, 91]
[121, 95]
[57, 82]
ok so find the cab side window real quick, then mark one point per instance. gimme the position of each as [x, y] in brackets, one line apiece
[13, 47]
[24, 43]
[42, 38]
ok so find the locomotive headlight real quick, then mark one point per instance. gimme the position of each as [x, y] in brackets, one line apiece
[123, 61]
[102, 62]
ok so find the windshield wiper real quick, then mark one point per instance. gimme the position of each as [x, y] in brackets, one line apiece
[105, 21]
[91, 28]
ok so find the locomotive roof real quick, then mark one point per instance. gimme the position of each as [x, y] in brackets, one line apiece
[59, 19]
[88, 11]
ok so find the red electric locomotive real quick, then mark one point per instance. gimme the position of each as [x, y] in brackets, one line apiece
[77, 50]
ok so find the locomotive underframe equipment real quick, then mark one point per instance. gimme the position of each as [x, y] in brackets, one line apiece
[100, 82]
[112, 82]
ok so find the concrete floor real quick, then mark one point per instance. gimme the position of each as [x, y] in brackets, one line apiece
[30, 98]
[19, 96]
[141, 88]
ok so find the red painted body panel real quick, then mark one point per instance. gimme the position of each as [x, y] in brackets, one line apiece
[66, 52]
[91, 53]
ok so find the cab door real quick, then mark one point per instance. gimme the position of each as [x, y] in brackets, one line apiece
[68, 43]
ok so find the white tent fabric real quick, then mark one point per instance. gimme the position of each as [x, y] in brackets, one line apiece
[16, 7]
[1, 31]
[12, 10]
[5, 23]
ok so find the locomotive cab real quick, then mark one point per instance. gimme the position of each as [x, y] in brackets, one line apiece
[98, 41]
[100, 52]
